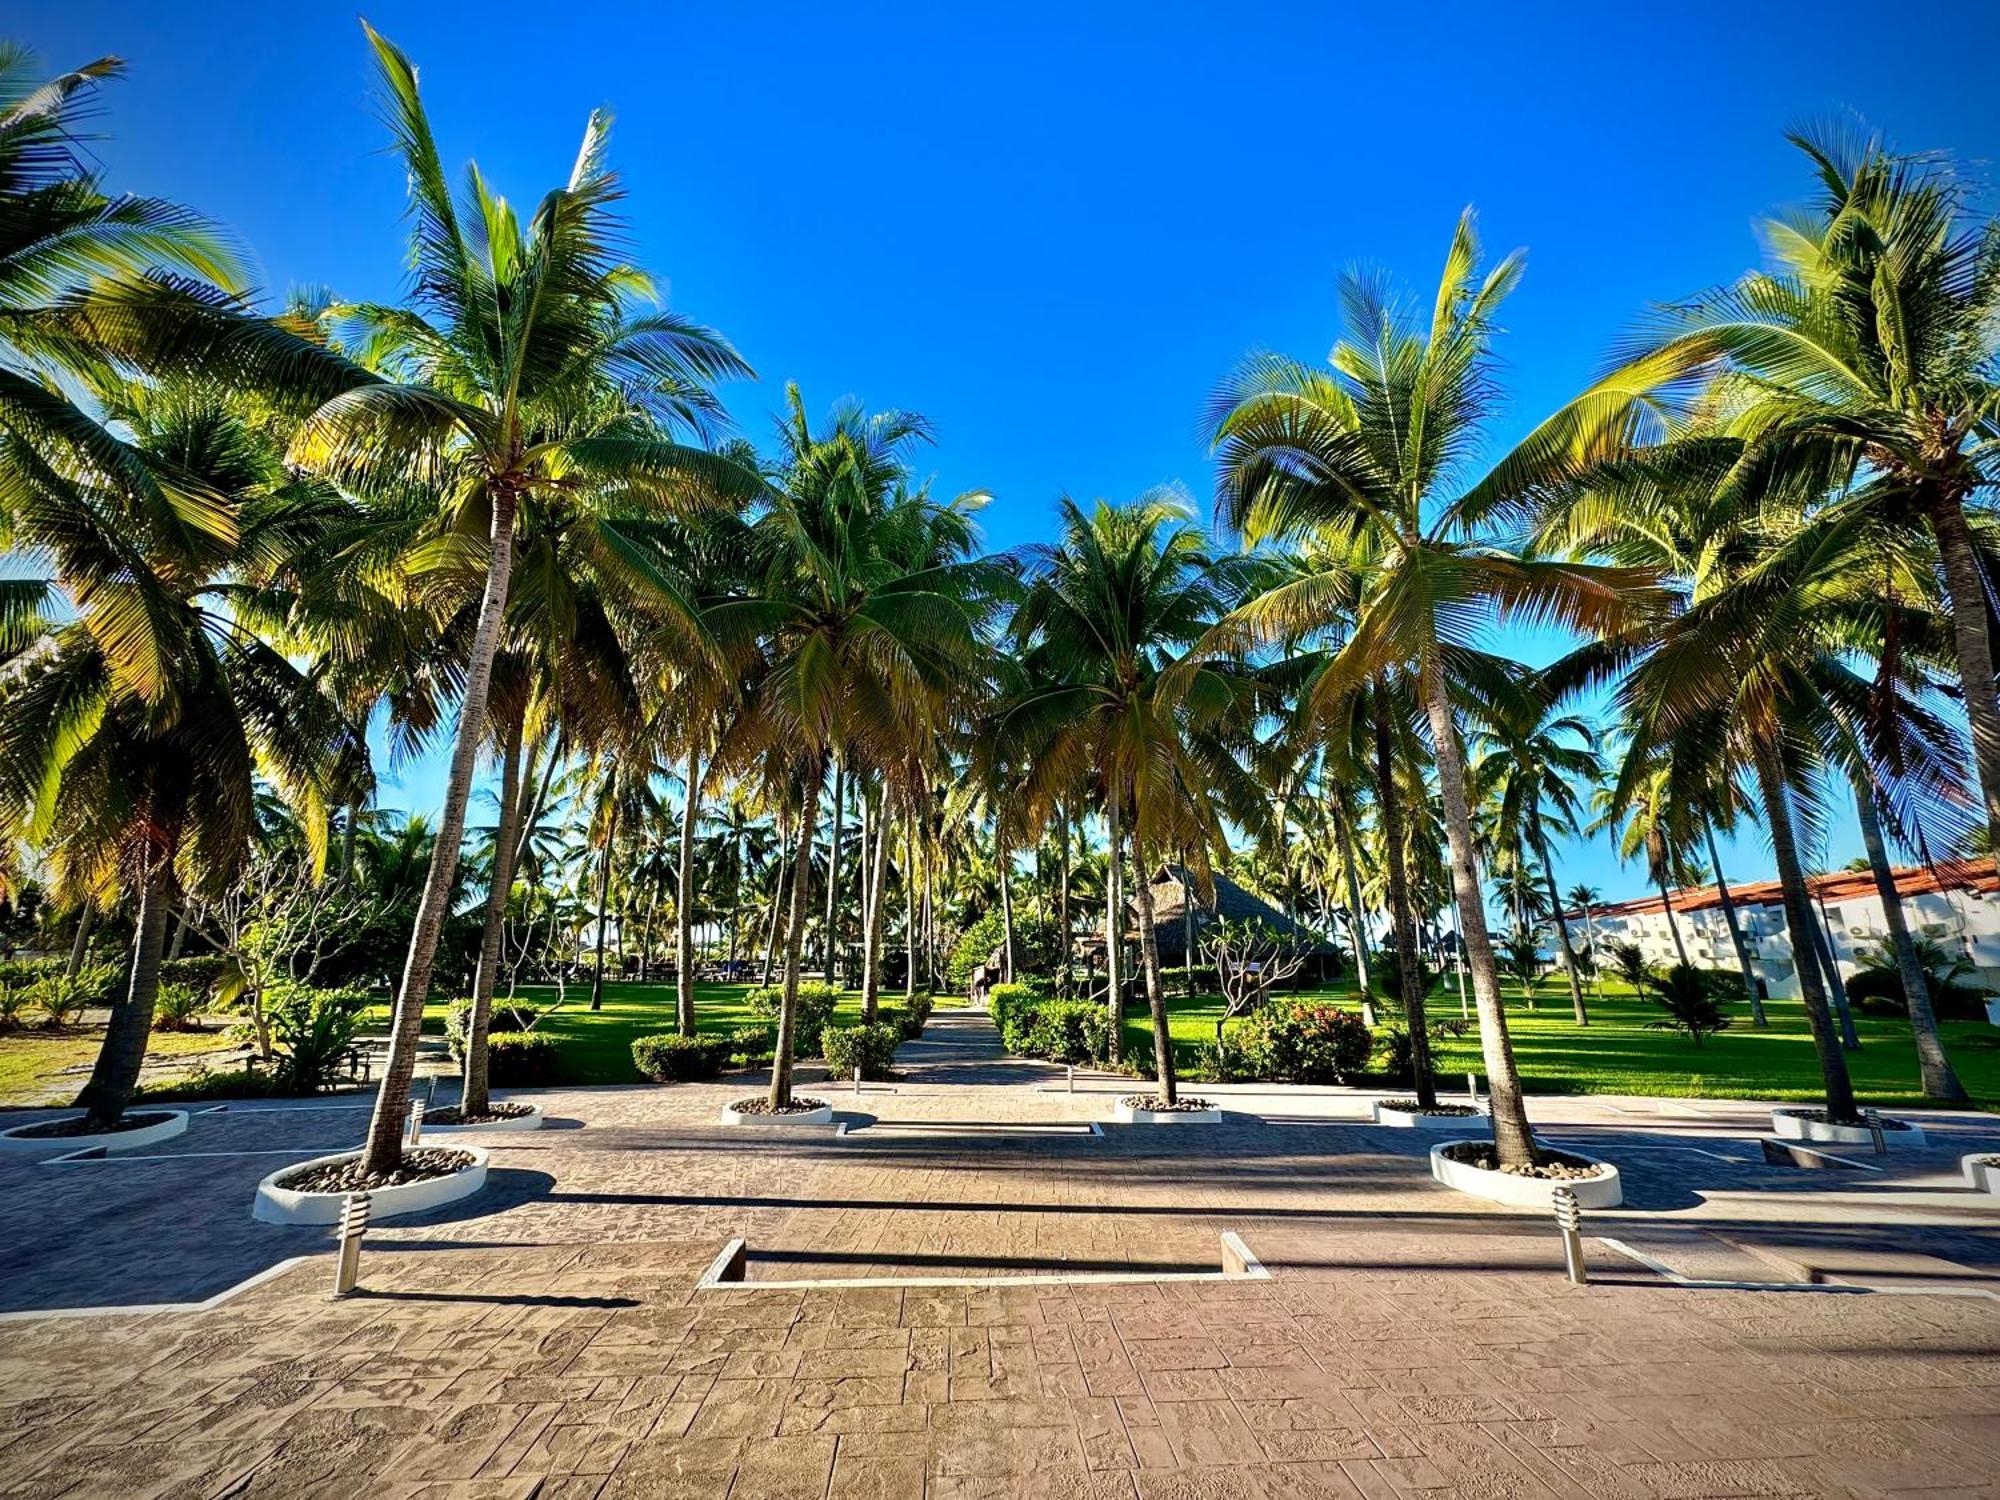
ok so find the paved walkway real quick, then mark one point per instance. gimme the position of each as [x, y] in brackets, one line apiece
[547, 1338]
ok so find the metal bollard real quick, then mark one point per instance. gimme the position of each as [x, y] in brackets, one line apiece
[1874, 1121]
[1569, 1220]
[1472, 1087]
[857, 1078]
[416, 1121]
[353, 1225]
[1070, 1069]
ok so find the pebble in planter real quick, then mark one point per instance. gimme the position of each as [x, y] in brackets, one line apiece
[508, 1115]
[140, 1128]
[1407, 1114]
[1151, 1109]
[758, 1114]
[1470, 1167]
[312, 1192]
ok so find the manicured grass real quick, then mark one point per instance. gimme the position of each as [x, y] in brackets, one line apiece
[597, 1045]
[32, 1060]
[1618, 1054]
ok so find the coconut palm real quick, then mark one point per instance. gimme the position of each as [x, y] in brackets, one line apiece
[1375, 454]
[1866, 353]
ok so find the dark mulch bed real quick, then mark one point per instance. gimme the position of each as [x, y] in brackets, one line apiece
[81, 1125]
[1411, 1107]
[1557, 1165]
[1824, 1118]
[1159, 1106]
[493, 1112]
[346, 1176]
[800, 1105]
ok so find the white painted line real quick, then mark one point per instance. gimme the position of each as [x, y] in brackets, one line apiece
[146, 1309]
[1663, 1269]
[1615, 1149]
[713, 1279]
[78, 1159]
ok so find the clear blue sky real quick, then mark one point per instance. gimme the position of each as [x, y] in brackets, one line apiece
[1053, 229]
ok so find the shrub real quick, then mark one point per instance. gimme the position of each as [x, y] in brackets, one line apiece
[916, 1014]
[673, 1058]
[873, 1047]
[1690, 1005]
[1069, 1031]
[1011, 1006]
[201, 974]
[63, 1000]
[178, 1007]
[522, 1059]
[315, 1030]
[1291, 1041]
[13, 1000]
[1628, 961]
[751, 1045]
[1397, 1059]
[502, 1017]
[1952, 999]
[815, 1013]
[231, 1083]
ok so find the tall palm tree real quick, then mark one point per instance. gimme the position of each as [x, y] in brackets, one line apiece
[1121, 703]
[1867, 351]
[1375, 454]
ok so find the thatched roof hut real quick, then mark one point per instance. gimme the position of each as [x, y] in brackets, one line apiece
[1173, 890]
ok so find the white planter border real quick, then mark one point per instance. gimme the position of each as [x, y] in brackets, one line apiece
[1403, 1119]
[175, 1124]
[1131, 1114]
[277, 1205]
[821, 1116]
[1605, 1191]
[1982, 1170]
[532, 1120]
[1797, 1127]
[1993, 1012]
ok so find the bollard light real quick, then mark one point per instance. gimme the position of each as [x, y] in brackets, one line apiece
[1873, 1118]
[416, 1121]
[857, 1077]
[1070, 1068]
[353, 1225]
[1569, 1221]
[1472, 1087]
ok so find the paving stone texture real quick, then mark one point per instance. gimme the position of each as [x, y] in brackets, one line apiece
[547, 1338]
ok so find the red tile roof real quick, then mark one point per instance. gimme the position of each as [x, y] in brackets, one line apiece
[1842, 885]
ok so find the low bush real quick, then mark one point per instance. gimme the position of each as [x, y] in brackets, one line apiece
[314, 1030]
[522, 1059]
[673, 1058]
[916, 1014]
[178, 1007]
[201, 974]
[872, 1047]
[752, 1045]
[1011, 1007]
[502, 1017]
[202, 1083]
[1069, 1031]
[1291, 1041]
[62, 999]
[815, 1012]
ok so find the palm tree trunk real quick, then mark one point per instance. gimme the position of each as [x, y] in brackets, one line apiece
[1187, 935]
[684, 896]
[385, 1127]
[1940, 1080]
[778, 877]
[123, 1052]
[1555, 915]
[1843, 1013]
[1735, 924]
[1390, 799]
[830, 950]
[1062, 896]
[1965, 583]
[795, 943]
[878, 887]
[1114, 993]
[1799, 926]
[1001, 861]
[1513, 1139]
[1673, 926]
[604, 888]
[910, 908]
[473, 1098]
[80, 945]
[1149, 958]
[1356, 929]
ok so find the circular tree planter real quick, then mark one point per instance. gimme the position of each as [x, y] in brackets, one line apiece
[1132, 1110]
[812, 1112]
[279, 1205]
[172, 1122]
[1982, 1170]
[1601, 1191]
[1802, 1125]
[1463, 1117]
[532, 1120]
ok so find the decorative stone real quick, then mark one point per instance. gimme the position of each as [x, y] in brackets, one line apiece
[175, 1124]
[277, 1205]
[822, 1115]
[1602, 1191]
[1405, 1119]
[1127, 1113]
[532, 1120]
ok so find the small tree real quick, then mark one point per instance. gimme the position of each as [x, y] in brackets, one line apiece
[1523, 957]
[1688, 997]
[1628, 961]
[1251, 957]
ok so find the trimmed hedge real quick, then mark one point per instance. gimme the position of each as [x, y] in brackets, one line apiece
[1291, 1041]
[521, 1059]
[672, 1058]
[873, 1047]
[1035, 1025]
[751, 1045]
[815, 1012]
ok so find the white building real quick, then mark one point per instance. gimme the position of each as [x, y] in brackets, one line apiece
[1955, 905]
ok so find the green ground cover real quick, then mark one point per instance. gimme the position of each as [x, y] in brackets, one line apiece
[1618, 1054]
[596, 1046]
[34, 1063]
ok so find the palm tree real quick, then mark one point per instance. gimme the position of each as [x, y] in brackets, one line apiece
[1374, 455]
[1868, 351]
[1119, 704]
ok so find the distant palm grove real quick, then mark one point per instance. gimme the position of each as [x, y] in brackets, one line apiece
[766, 710]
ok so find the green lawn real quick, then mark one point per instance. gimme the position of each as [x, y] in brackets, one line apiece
[33, 1062]
[1617, 1054]
[597, 1045]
